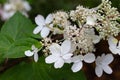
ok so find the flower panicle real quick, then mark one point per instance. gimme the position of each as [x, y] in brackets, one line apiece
[70, 37]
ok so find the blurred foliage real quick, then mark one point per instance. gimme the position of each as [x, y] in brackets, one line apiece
[40, 71]
[15, 39]
[45, 7]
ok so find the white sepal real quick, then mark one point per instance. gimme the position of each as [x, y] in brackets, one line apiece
[39, 20]
[77, 66]
[89, 58]
[29, 53]
[45, 32]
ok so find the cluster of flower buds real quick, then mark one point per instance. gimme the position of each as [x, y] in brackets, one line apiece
[70, 37]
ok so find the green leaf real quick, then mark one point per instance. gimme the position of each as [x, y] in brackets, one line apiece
[2, 1]
[1, 60]
[40, 71]
[16, 37]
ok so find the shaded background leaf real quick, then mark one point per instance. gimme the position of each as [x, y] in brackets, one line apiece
[40, 71]
[17, 36]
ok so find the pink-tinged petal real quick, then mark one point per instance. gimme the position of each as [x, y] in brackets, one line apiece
[107, 69]
[59, 63]
[51, 59]
[98, 71]
[7, 7]
[108, 59]
[77, 66]
[29, 53]
[35, 57]
[49, 19]
[66, 47]
[67, 56]
[6, 15]
[37, 29]
[40, 20]
[55, 49]
[89, 58]
[45, 32]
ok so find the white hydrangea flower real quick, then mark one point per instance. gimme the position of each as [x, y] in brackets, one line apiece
[91, 20]
[114, 45]
[12, 6]
[77, 61]
[34, 52]
[95, 38]
[42, 28]
[102, 64]
[59, 54]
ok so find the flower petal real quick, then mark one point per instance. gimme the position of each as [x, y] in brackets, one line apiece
[55, 49]
[66, 47]
[29, 53]
[49, 19]
[91, 20]
[45, 32]
[27, 6]
[51, 59]
[102, 56]
[39, 19]
[114, 50]
[77, 58]
[77, 66]
[98, 60]
[67, 56]
[96, 39]
[35, 57]
[107, 69]
[7, 7]
[108, 59]
[68, 61]
[59, 63]
[98, 71]
[37, 29]
[112, 42]
[89, 58]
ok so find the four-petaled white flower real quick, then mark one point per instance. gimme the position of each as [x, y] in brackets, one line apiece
[102, 64]
[42, 25]
[34, 52]
[77, 61]
[59, 53]
[114, 45]
[91, 20]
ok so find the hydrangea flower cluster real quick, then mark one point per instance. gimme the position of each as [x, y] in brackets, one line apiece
[11, 6]
[70, 37]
